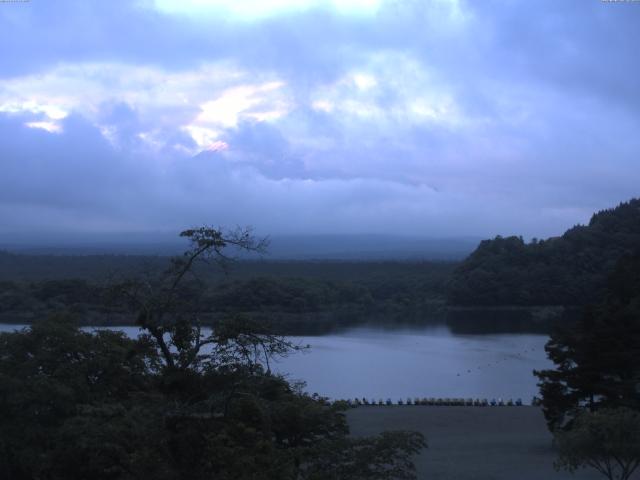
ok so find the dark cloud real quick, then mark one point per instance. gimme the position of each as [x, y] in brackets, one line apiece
[528, 120]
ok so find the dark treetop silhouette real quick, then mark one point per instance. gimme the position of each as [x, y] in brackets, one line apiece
[174, 403]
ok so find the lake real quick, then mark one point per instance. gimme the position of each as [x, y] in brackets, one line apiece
[413, 362]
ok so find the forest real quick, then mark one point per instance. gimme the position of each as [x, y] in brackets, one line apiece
[502, 282]
[567, 270]
[291, 296]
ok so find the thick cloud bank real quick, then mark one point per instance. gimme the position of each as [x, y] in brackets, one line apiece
[431, 118]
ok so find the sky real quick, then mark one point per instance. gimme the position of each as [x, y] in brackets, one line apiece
[406, 117]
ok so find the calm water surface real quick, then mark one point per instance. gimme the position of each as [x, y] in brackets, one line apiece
[429, 362]
[425, 362]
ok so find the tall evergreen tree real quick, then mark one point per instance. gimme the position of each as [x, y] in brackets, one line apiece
[597, 356]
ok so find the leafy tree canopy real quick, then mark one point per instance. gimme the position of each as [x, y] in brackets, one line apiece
[566, 270]
[607, 440]
[176, 402]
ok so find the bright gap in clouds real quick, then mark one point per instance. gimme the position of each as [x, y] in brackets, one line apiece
[257, 9]
[50, 127]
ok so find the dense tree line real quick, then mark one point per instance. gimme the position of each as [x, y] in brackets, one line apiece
[331, 296]
[96, 268]
[567, 270]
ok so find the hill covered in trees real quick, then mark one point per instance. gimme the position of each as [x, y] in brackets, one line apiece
[566, 270]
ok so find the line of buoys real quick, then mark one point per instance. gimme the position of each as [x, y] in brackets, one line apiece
[456, 402]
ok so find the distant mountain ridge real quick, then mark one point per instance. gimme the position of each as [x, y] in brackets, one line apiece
[282, 247]
[566, 270]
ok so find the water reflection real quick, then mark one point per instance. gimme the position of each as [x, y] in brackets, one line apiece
[425, 362]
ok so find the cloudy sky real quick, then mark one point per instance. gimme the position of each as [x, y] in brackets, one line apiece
[414, 117]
